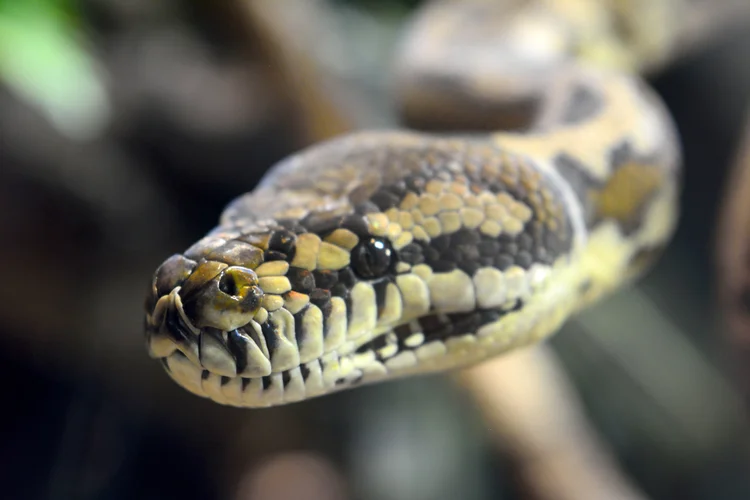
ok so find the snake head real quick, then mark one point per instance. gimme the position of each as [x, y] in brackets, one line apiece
[432, 262]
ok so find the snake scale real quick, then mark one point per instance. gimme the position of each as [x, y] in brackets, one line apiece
[385, 254]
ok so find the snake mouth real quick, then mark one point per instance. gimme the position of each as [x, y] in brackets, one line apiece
[232, 327]
[308, 380]
[256, 364]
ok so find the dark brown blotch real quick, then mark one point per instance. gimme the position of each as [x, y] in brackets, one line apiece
[356, 224]
[237, 253]
[525, 241]
[175, 328]
[380, 295]
[411, 254]
[347, 278]
[469, 267]
[320, 297]
[200, 249]
[463, 252]
[385, 199]
[173, 272]
[302, 280]
[321, 223]
[444, 266]
[272, 255]
[266, 382]
[300, 333]
[282, 241]
[340, 290]
[366, 207]
[467, 236]
[326, 279]
[524, 259]
[269, 334]
[374, 345]
[441, 243]
[488, 248]
[503, 261]
[237, 343]
[431, 255]
[292, 225]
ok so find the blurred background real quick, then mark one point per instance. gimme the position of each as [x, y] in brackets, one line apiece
[126, 126]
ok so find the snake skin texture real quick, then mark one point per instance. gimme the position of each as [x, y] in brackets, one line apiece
[385, 254]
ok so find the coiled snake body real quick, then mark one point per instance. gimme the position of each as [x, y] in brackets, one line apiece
[384, 254]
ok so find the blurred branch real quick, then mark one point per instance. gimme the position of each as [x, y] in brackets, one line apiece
[531, 410]
[698, 23]
[732, 262]
[288, 31]
[659, 359]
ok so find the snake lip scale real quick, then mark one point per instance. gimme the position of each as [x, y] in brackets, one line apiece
[384, 254]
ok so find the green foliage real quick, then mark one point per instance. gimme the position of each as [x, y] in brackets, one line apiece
[43, 60]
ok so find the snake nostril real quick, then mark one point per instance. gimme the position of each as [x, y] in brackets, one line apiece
[239, 286]
[228, 284]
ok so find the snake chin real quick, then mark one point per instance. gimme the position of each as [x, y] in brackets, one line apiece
[296, 384]
[250, 366]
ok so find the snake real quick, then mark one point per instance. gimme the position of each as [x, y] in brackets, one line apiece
[537, 173]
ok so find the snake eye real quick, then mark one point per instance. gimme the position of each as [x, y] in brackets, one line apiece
[372, 258]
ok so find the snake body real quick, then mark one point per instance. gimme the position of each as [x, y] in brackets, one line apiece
[384, 254]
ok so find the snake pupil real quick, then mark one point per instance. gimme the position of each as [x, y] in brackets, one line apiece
[372, 258]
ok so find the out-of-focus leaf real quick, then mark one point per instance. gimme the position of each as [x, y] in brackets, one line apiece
[43, 60]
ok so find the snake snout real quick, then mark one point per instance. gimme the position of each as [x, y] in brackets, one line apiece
[171, 273]
[188, 296]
